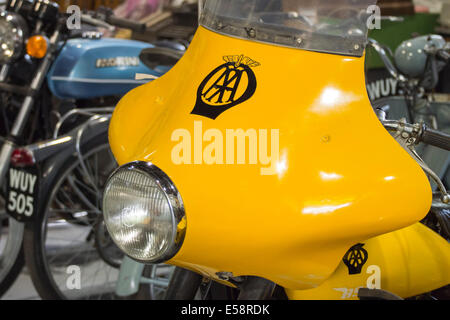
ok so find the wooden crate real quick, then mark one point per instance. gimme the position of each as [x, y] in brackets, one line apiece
[388, 7]
[396, 7]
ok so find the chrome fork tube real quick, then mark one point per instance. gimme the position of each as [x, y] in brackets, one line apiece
[5, 155]
[7, 146]
[27, 105]
[4, 72]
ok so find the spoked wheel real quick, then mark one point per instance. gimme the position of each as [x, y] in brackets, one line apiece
[67, 248]
[11, 253]
[158, 277]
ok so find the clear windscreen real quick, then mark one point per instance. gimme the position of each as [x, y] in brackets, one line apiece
[333, 26]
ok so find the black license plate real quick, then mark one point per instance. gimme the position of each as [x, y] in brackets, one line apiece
[22, 192]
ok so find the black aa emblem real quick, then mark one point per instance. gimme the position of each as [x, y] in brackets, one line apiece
[226, 86]
[355, 258]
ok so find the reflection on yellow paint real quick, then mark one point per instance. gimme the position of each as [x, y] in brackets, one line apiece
[329, 176]
[322, 209]
[282, 165]
[332, 97]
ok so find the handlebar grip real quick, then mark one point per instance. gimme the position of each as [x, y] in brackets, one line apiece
[435, 138]
[443, 55]
[126, 24]
[85, 18]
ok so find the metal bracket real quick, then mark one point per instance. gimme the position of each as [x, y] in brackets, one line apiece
[407, 135]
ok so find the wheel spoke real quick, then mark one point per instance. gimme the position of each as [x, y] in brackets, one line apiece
[73, 227]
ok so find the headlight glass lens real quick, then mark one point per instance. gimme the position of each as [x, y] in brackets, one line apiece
[143, 212]
[12, 33]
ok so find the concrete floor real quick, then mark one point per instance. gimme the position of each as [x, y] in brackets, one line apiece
[67, 241]
[22, 289]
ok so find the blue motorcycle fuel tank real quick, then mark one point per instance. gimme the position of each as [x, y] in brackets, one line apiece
[87, 68]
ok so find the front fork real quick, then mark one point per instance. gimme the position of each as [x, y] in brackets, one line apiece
[10, 142]
[184, 285]
[255, 288]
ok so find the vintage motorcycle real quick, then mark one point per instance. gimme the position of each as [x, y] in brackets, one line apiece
[48, 72]
[415, 68]
[259, 163]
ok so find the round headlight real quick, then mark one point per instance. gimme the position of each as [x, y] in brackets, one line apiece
[144, 212]
[13, 31]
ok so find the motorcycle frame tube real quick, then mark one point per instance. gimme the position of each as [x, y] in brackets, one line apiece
[52, 154]
[58, 148]
[345, 180]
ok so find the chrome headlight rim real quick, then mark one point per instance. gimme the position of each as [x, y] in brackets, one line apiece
[174, 201]
[19, 23]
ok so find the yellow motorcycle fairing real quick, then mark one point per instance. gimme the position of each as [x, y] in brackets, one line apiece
[406, 262]
[340, 178]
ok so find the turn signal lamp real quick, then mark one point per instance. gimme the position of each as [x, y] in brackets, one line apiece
[37, 46]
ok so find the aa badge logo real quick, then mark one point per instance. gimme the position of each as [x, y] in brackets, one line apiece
[355, 258]
[228, 85]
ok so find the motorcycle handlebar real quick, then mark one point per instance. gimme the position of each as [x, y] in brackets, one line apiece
[435, 138]
[443, 55]
[383, 53]
[125, 23]
[85, 18]
[109, 21]
[420, 132]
